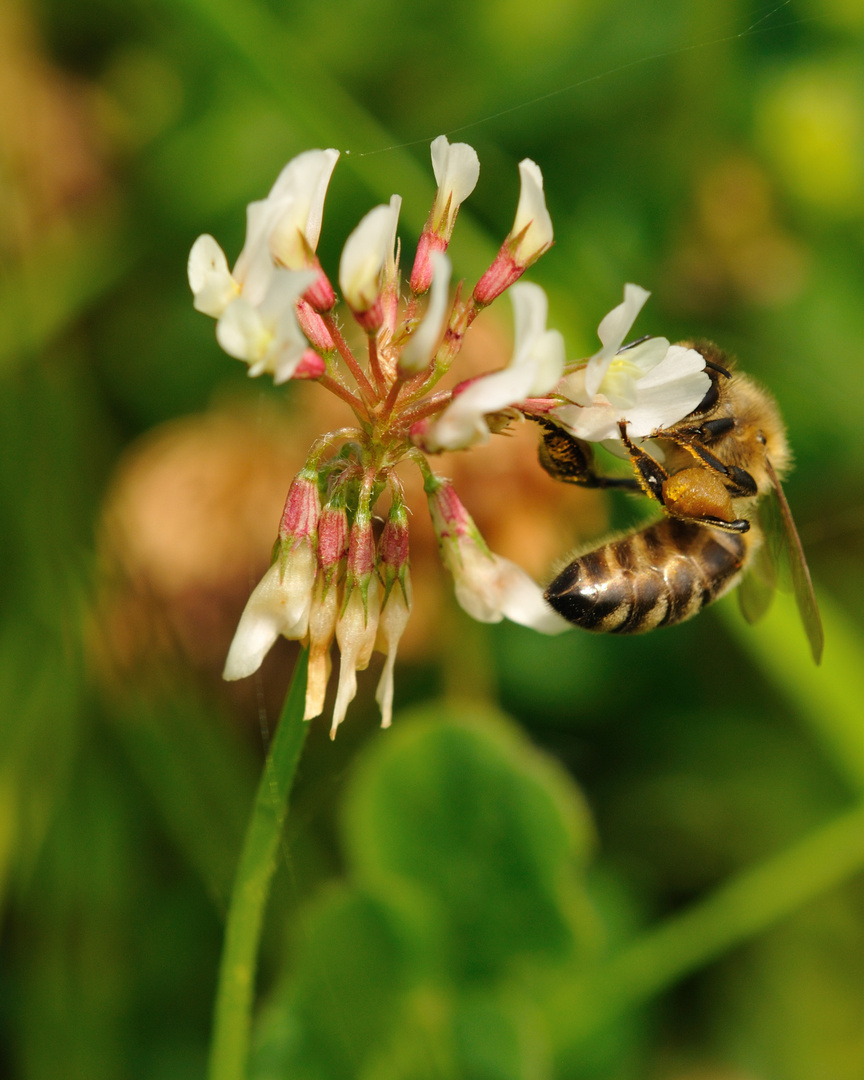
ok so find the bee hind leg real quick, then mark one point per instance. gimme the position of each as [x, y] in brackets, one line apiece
[699, 494]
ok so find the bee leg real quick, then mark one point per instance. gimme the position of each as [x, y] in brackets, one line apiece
[571, 461]
[738, 481]
[650, 473]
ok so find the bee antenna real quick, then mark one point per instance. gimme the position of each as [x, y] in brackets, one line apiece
[717, 367]
[633, 344]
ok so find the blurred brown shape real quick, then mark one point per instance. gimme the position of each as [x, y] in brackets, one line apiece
[50, 162]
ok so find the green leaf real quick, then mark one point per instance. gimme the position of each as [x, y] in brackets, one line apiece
[459, 805]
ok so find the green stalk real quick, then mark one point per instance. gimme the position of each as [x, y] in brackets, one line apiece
[235, 994]
[736, 912]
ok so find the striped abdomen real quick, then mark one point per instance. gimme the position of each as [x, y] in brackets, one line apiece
[657, 577]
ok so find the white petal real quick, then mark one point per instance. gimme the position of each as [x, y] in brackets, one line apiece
[294, 206]
[305, 181]
[364, 256]
[594, 423]
[535, 346]
[419, 350]
[647, 354]
[278, 605]
[209, 278]
[462, 423]
[677, 363]
[536, 366]
[522, 601]
[391, 625]
[268, 337]
[662, 406]
[254, 267]
[612, 331]
[286, 288]
[355, 632]
[241, 332]
[532, 212]
[530, 310]
[491, 587]
[457, 168]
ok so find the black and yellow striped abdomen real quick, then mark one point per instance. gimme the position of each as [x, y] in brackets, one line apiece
[657, 577]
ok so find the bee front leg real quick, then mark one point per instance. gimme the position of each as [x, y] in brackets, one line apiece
[650, 474]
[571, 460]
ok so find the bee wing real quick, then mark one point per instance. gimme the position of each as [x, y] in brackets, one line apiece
[783, 543]
[756, 590]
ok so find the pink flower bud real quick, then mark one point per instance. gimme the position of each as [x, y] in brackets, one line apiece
[421, 274]
[393, 549]
[320, 294]
[302, 510]
[361, 550]
[449, 516]
[332, 540]
[314, 328]
[311, 366]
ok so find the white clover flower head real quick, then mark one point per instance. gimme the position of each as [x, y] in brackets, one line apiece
[331, 580]
[649, 386]
[535, 368]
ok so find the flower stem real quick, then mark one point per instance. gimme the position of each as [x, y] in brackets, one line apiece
[236, 990]
[363, 384]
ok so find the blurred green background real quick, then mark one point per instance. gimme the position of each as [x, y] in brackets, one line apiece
[668, 886]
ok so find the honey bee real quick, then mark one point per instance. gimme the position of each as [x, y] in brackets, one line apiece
[727, 524]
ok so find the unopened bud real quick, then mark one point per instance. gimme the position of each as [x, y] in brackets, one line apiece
[302, 509]
[314, 328]
[311, 366]
[393, 548]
